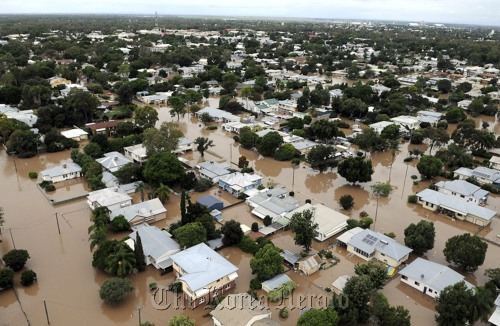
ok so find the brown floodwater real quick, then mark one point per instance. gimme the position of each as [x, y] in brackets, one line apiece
[69, 284]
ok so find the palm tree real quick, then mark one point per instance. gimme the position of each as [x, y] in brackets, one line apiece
[97, 236]
[122, 261]
[100, 215]
[141, 187]
[246, 92]
[163, 193]
[203, 143]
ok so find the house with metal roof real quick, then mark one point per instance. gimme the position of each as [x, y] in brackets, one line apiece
[275, 282]
[112, 198]
[310, 265]
[339, 284]
[136, 153]
[495, 162]
[75, 134]
[430, 277]
[431, 117]
[273, 202]
[455, 207]
[157, 244]
[495, 316]
[148, 211]
[218, 115]
[211, 202]
[238, 183]
[62, 172]
[481, 174]
[406, 122]
[204, 274]
[241, 309]
[113, 161]
[184, 145]
[463, 189]
[368, 244]
[330, 222]
[379, 126]
[212, 170]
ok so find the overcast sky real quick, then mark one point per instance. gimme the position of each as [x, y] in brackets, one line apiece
[483, 12]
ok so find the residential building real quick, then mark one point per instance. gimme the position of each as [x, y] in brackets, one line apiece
[62, 172]
[455, 207]
[431, 117]
[430, 277]
[495, 316]
[238, 183]
[481, 174]
[136, 153]
[495, 162]
[204, 274]
[75, 134]
[218, 115]
[113, 198]
[148, 211]
[113, 161]
[368, 244]
[210, 202]
[273, 202]
[275, 282]
[184, 145]
[212, 170]
[339, 284]
[406, 122]
[463, 189]
[242, 309]
[310, 265]
[157, 244]
[330, 222]
[106, 127]
[379, 126]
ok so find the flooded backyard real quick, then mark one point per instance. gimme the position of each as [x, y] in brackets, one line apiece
[69, 284]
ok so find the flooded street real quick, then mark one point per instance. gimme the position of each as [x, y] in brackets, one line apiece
[69, 284]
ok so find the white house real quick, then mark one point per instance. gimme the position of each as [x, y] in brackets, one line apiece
[218, 115]
[463, 189]
[148, 211]
[431, 117]
[65, 171]
[275, 282]
[481, 174]
[212, 170]
[379, 126]
[157, 244]
[330, 222]
[75, 134]
[237, 183]
[113, 198]
[273, 202]
[430, 277]
[495, 316]
[136, 153]
[406, 122]
[113, 161]
[184, 145]
[242, 309]
[495, 162]
[368, 244]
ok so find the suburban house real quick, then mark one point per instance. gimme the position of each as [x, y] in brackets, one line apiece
[148, 211]
[113, 198]
[273, 202]
[495, 162]
[379, 126]
[75, 134]
[463, 189]
[330, 222]
[62, 172]
[157, 244]
[430, 277]
[406, 122]
[275, 282]
[455, 207]
[218, 115]
[309, 265]
[481, 174]
[113, 161]
[136, 153]
[204, 274]
[241, 309]
[431, 117]
[495, 316]
[106, 127]
[184, 145]
[368, 244]
[339, 284]
[212, 170]
[237, 183]
[210, 202]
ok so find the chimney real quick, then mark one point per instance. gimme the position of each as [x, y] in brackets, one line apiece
[65, 165]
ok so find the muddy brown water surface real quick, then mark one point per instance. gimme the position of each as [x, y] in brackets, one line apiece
[69, 284]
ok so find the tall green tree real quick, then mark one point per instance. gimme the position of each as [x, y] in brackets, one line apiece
[429, 166]
[181, 320]
[16, 259]
[465, 251]
[322, 157]
[269, 143]
[115, 290]
[162, 192]
[316, 317]
[358, 290]
[163, 168]
[162, 140]
[232, 233]
[267, 262]
[356, 169]
[386, 315]
[146, 117]
[140, 259]
[121, 262]
[302, 224]
[420, 237]
[454, 304]
[202, 144]
[178, 106]
[376, 272]
[190, 234]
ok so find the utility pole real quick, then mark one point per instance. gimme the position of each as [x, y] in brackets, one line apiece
[57, 221]
[46, 311]
[12, 238]
[139, 313]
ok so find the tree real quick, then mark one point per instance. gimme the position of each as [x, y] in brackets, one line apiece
[246, 91]
[269, 143]
[322, 157]
[455, 115]
[140, 259]
[115, 290]
[181, 320]
[285, 153]
[391, 132]
[16, 259]
[437, 137]
[454, 304]
[205, 117]
[444, 85]
[141, 187]
[357, 290]
[267, 220]
[229, 82]
[455, 157]
[302, 224]
[129, 173]
[465, 251]
[248, 138]
[6, 278]
[232, 233]
[97, 235]
[162, 192]
[267, 262]
[178, 106]
[190, 234]
[315, 317]
[208, 223]
[346, 201]
[28, 277]
[356, 169]
[23, 142]
[162, 140]
[81, 104]
[122, 261]
[202, 144]
[385, 315]
[377, 273]
[420, 236]
[429, 166]
[100, 256]
[2, 219]
[146, 117]
[93, 150]
[119, 224]
[184, 196]
[163, 168]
